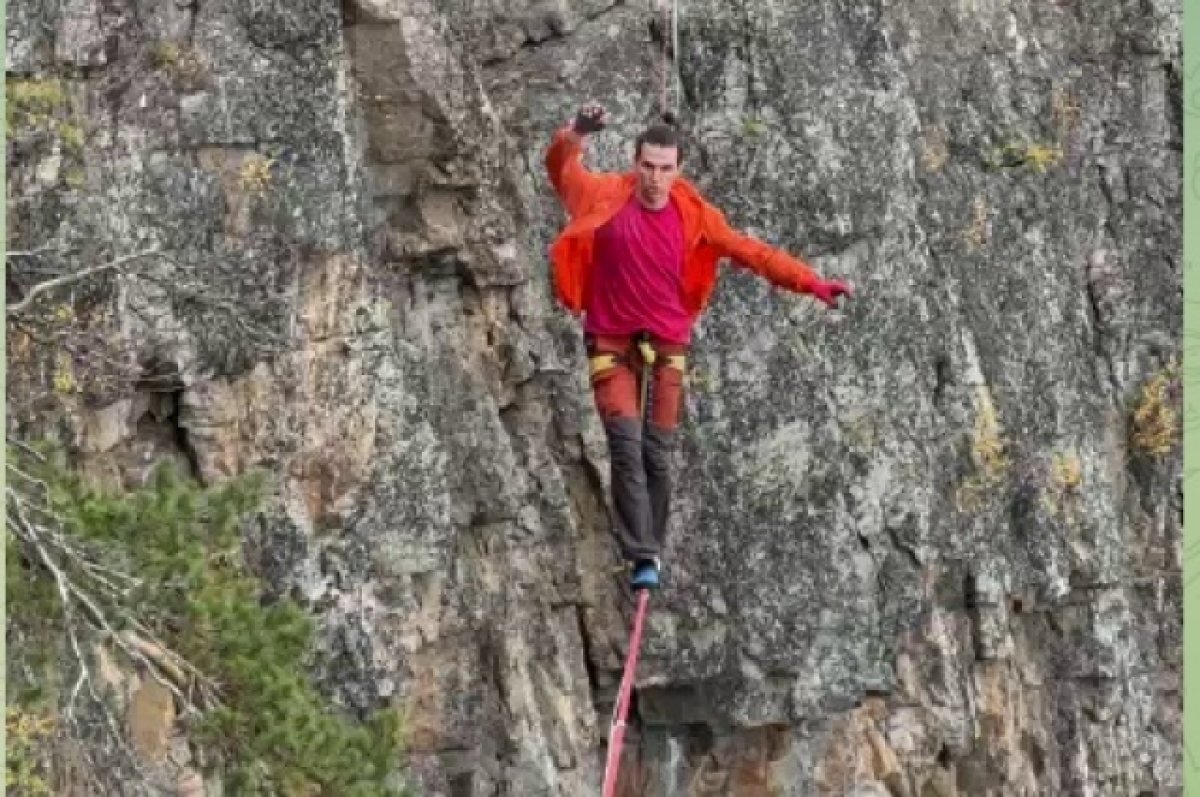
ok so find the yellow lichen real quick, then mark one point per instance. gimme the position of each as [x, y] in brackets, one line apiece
[987, 447]
[1040, 156]
[165, 54]
[75, 178]
[39, 109]
[1066, 472]
[255, 174]
[1060, 499]
[987, 454]
[27, 733]
[64, 376]
[72, 138]
[1155, 418]
[31, 103]
[753, 127]
[180, 63]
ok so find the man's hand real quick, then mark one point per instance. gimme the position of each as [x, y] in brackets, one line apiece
[828, 291]
[591, 119]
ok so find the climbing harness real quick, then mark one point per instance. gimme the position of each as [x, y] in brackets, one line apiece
[646, 349]
[616, 734]
[606, 360]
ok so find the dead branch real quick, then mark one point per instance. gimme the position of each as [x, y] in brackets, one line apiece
[28, 449]
[41, 250]
[68, 279]
[170, 669]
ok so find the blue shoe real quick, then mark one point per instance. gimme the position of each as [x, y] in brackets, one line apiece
[645, 575]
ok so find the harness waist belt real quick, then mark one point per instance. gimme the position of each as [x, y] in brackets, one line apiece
[602, 362]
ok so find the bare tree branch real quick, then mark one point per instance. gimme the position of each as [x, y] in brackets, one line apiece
[35, 252]
[56, 554]
[68, 279]
[28, 449]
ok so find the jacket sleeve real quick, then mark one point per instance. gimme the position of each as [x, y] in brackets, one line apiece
[573, 183]
[775, 265]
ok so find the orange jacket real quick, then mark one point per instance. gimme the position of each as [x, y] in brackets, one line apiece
[592, 198]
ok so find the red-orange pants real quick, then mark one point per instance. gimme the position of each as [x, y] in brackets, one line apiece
[617, 390]
[639, 453]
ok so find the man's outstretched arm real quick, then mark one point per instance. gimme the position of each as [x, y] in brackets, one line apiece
[564, 159]
[775, 265]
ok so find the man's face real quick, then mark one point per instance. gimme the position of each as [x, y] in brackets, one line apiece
[657, 168]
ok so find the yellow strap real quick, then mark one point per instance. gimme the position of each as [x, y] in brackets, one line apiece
[648, 352]
[602, 362]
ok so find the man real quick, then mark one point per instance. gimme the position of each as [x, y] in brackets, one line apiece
[638, 259]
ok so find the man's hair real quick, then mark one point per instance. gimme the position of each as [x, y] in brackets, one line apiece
[661, 134]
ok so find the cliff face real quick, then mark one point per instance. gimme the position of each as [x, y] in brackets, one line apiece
[927, 545]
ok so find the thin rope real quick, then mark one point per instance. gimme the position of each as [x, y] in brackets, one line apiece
[616, 735]
[669, 15]
[675, 44]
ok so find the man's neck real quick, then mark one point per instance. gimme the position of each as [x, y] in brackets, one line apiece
[648, 205]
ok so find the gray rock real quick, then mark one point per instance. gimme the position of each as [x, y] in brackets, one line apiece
[917, 544]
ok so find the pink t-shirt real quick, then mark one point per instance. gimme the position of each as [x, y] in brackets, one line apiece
[637, 275]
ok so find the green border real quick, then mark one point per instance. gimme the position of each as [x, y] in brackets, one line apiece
[1191, 447]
